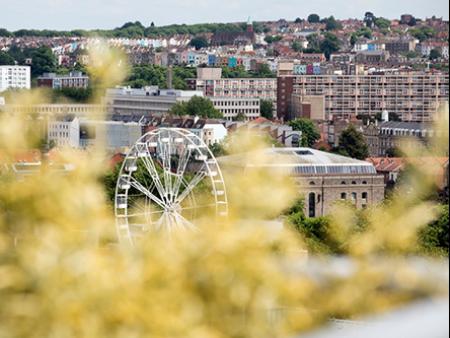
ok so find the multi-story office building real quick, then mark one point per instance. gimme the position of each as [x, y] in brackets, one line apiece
[151, 100]
[64, 131]
[14, 77]
[234, 107]
[56, 109]
[412, 96]
[146, 101]
[210, 82]
[72, 80]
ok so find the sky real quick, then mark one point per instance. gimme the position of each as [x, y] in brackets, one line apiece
[107, 14]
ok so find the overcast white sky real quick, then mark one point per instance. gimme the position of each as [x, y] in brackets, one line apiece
[72, 14]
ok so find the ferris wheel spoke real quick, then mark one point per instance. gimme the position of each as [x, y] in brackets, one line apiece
[191, 185]
[143, 190]
[184, 222]
[182, 163]
[150, 166]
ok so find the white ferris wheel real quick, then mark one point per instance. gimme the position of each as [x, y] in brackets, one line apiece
[168, 179]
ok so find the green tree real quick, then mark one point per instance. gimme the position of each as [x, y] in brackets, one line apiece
[43, 61]
[382, 23]
[196, 106]
[423, 33]
[435, 54]
[199, 42]
[313, 43]
[332, 24]
[310, 133]
[313, 18]
[4, 32]
[369, 19]
[299, 20]
[271, 39]
[239, 117]
[330, 44]
[267, 109]
[297, 46]
[353, 144]
[6, 59]
[436, 234]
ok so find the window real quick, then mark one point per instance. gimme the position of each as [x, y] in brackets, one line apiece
[312, 183]
[364, 182]
[364, 196]
[343, 196]
[354, 182]
[312, 205]
[354, 197]
[343, 183]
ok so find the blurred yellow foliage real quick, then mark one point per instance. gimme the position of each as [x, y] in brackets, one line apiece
[61, 275]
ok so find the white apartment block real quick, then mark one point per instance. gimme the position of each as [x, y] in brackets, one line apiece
[15, 77]
[64, 131]
[412, 96]
[232, 107]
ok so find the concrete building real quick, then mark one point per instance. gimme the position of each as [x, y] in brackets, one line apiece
[322, 178]
[145, 101]
[64, 131]
[210, 82]
[112, 135]
[85, 110]
[15, 77]
[71, 80]
[230, 107]
[412, 96]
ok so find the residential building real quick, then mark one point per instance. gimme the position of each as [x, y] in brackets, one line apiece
[14, 77]
[322, 178]
[391, 167]
[71, 80]
[282, 133]
[412, 96]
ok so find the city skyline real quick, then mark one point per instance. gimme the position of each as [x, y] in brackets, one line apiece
[65, 16]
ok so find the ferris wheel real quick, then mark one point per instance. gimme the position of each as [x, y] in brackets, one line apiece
[168, 180]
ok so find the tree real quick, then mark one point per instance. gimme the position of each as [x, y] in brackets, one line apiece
[6, 59]
[299, 20]
[435, 54]
[297, 46]
[382, 23]
[271, 39]
[353, 144]
[43, 61]
[313, 43]
[313, 18]
[240, 117]
[369, 19]
[332, 24]
[436, 234]
[196, 106]
[330, 44]
[199, 42]
[310, 133]
[267, 109]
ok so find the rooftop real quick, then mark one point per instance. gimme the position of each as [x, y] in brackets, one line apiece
[301, 161]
